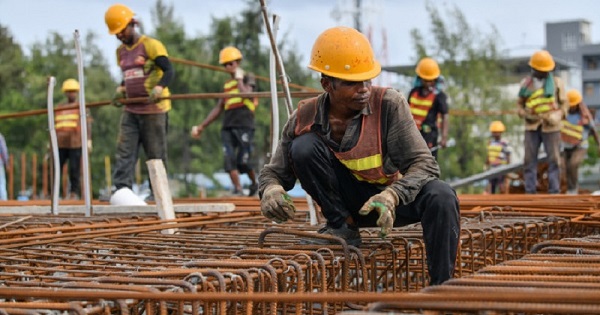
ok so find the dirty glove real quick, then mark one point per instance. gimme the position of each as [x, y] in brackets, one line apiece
[238, 74]
[119, 94]
[276, 204]
[196, 131]
[155, 94]
[148, 66]
[385, 204]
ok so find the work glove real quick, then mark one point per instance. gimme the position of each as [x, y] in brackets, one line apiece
[155, 94]
[196, 131]
[119, 94]
[148, 66]
[385, 204]
[554, 118]
[276, 204]
[239, 73]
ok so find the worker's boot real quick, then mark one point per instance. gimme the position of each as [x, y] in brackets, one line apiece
[348, 233]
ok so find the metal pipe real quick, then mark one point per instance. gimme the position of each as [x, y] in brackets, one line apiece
[86, 189]
[53, 146]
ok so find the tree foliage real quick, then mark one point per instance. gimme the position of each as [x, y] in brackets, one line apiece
[25, 80]
[470, 62]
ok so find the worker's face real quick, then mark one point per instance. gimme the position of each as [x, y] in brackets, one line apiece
[126, 35]
[538, 74]
[71, 96]
[231, 65]
[354, 95]
[428, 84]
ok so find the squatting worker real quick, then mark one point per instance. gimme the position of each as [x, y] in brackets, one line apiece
[358, 153]
[147, 72]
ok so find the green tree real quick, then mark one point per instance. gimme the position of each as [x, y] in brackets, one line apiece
[470, 62]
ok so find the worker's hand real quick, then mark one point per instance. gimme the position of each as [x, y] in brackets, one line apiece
[385, 204]
[276, 204]
[119, 94]
[196, 131]
[553, 118]
[89, 146]
[239, 73]
[148, 66]
[443, 142]
[155, 94]
[521, 112]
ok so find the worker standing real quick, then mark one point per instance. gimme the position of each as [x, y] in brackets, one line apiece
[147, 73]
[574, 135]
[237, 132]
[429, 103]
[542, 104]
[357, 152]
[498, 154]
[67, 123]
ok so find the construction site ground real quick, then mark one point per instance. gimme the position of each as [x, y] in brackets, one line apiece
[519, 254]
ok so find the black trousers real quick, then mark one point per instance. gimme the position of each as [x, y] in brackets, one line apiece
[74, 158]
[339, 195]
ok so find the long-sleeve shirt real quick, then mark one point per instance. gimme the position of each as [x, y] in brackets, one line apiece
[403, 149]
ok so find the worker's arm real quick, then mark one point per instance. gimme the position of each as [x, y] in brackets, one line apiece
[212, 116]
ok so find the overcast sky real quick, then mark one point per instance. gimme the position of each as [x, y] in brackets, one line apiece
[521, 23]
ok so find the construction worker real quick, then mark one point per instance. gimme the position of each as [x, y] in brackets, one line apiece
[147, 73]
[498, 154]
[237, 132]
[358, 154]
[574, 135]
[67, 123]
[429, 104]
[542, 104]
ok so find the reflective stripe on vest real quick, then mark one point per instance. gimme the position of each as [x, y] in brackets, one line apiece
[420, 106]
[231, 87]
[539, 103]
[495, 155]
[365, 159]
[67, 120]
[571, 133]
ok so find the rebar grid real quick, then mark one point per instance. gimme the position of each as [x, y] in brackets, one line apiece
[124, 264]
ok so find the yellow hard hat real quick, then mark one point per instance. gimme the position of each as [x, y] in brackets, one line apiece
[117, 17]
[229, 54]
[574, 97]
[497, 126]
[542, 61]
[344, 53]
[70, 85]
[428, 69]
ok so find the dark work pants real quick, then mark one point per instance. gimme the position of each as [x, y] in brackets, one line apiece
[340, 194]
[73, 155]
[149, 131]
[551, 141]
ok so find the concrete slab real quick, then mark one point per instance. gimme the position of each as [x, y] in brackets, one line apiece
[110, 209]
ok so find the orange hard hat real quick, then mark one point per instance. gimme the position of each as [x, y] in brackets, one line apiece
[497, 126]
[229, 54]
[428, 69]
[542, 61]
[344, 53]
[70, 85]
[117, 17]
[574, 97]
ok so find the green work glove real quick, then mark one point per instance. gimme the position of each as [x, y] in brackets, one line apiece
[385, 204]
[276, 204]
[119, 94]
